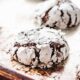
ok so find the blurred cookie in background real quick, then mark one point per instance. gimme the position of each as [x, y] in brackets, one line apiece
[57, 14]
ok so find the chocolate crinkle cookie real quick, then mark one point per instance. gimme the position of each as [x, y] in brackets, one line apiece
[41, 48]
[59, 14]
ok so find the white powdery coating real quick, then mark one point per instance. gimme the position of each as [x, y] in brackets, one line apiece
[41, 52]
[60, 14]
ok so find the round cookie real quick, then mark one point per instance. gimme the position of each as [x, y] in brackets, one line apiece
[59, 14]
[40, 47]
